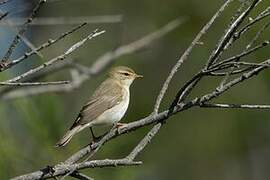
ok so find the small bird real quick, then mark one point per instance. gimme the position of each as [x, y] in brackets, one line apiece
[107, 105]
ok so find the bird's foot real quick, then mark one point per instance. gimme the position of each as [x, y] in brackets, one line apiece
[118, 125]
[95, 140]
[47, 170]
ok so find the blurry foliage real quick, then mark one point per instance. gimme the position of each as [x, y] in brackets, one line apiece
[198, 144]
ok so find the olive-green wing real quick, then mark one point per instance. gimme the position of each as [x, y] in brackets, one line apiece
[108, 94]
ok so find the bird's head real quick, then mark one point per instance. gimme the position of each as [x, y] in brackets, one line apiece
[124, 75]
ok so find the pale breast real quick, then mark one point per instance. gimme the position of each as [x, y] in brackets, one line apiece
[114, 114]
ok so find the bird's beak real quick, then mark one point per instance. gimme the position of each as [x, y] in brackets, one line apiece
[138, 76]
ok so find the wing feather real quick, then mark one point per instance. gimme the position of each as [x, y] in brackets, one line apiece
[107, 95]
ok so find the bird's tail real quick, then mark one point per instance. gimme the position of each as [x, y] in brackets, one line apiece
[67, 137]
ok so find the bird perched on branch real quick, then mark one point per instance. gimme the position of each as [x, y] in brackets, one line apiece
[107, 105]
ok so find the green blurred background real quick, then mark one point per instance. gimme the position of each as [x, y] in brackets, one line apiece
[198, 144]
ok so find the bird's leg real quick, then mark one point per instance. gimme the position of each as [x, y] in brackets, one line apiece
[95, 139]
[92, 133]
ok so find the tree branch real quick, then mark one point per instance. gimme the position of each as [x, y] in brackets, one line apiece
[99, 66]
[241, 106]
[50, 21]
[41, 47]
[228, 35]
[186, 55]
[16, 40]
[58, 58]
[64, 169]
[34, 83]
[180, 103]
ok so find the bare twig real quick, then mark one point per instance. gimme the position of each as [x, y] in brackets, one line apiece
[133, 154]
[250, 64]
[226, 67]
[41, 47]
[34, 83]
[185, 56]
[164, 115]
[243, 54]
[258, 35]
[58, 58]
[16, 40]
[228, 35]
[100, 64]
[241, 106]
[185, 90]
[22, 37]
[182, 93]
[67, 20]
[5, 92]
[140, 123]
[240, 71]
[234, 82]
[3, 15]
[63, 169]
[260, 17]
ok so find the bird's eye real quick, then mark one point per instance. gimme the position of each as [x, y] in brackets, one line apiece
[126, 74]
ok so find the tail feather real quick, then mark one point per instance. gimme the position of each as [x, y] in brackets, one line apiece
[67, 137]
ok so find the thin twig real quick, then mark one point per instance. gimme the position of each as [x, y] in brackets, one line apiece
[3, 15]
[260, 17]
[242, 54]
[251, 64]
[186, 55]
[100, 64]
[233, 82]
[72, 164]
[4, 92]
[141, 145]
[241, 106]
[67, 20]
[185, 90]
[22, 37]
[164, 115]
[240, 71]
[144, 122]
[94, 149]
[225, 39]
[259, 33]
[63, 169]
[23, 29]
[41, 47]
[34, 83]
[58, 58]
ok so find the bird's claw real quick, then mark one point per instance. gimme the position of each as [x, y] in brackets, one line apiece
[119, 125]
